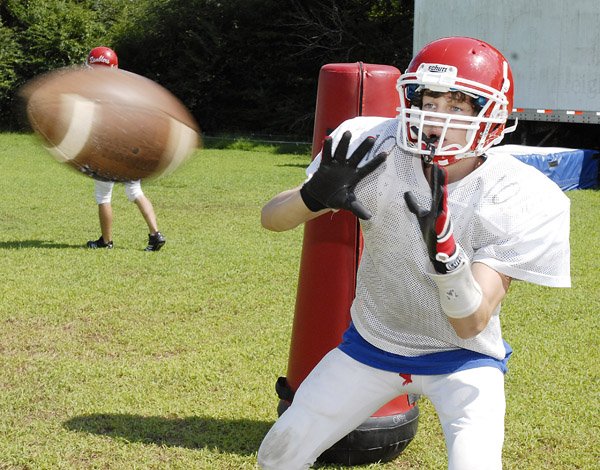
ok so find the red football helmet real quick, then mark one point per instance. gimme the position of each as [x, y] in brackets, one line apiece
[103, 55]
[463, 64]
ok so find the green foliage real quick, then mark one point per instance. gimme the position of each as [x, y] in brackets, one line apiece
[42, 35]
[10, 57]
[52, 33]
[124, 359]
[241, 66]
[178, 44]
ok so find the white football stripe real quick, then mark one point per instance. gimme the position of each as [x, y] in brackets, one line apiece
[79, 112]
[182, 141]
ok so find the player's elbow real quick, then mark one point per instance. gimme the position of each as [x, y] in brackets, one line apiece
[266, 221]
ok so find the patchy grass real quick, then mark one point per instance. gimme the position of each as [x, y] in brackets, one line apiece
[125, 359]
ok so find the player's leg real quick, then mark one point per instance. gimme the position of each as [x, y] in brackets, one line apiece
[105, 214]
[471, 407]
[134, 192]
[334, 399]
[103, 195]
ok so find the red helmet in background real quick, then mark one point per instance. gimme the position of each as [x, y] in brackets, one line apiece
[460, 64]
[102, 55]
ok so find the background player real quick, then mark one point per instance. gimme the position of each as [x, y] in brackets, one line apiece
[106, 57]
[445, 231]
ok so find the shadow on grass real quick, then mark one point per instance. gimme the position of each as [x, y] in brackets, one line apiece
[19, 244]
[241, 436]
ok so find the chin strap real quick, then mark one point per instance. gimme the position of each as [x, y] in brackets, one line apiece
[508, 130]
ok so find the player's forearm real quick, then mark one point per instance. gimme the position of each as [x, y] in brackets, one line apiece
[286, 211]
[473, 324]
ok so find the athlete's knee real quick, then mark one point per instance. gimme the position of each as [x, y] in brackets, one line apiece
[133, 190]
[473, 420]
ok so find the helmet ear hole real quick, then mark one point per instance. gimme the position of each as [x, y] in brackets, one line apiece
[411, 92]
[481, 101]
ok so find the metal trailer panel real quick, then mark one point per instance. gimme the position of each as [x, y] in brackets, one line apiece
[553, 47]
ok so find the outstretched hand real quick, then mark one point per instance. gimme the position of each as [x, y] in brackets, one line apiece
[332, 185]
[436, 224]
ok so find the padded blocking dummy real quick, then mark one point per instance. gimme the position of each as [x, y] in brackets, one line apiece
[327, 280]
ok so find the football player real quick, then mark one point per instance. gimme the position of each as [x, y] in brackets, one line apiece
[102, 56]
[446, 229]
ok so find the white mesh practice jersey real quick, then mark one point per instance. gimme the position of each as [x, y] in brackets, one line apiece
[505, 214]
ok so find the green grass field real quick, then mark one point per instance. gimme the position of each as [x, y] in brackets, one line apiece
[124, 359]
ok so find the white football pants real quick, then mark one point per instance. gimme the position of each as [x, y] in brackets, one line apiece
[341, 393]
[103, 191]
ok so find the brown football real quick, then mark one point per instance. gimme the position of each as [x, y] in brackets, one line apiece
[109, 123]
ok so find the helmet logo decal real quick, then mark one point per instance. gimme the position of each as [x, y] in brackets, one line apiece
[100, 59]
[438, 77]
[438, 68]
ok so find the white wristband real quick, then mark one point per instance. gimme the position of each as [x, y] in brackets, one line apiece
[460, 294]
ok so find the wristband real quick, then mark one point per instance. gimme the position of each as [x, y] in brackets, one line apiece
[309, 201]
[460, 294]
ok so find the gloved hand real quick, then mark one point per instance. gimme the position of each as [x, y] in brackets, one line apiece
[332, 185]
[436, 224]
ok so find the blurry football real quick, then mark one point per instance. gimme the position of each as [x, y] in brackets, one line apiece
[109, 123]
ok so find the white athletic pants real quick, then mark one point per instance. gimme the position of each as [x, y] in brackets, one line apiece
[341, 393]
[103, 190]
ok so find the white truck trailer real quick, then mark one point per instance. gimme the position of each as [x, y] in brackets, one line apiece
[553, 47]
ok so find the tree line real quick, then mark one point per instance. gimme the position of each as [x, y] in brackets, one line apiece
[240, 66]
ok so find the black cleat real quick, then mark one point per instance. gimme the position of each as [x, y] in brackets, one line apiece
[100, 243]
[155, 242]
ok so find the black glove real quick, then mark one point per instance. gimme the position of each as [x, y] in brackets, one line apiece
[436, 224]
[332, 185]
